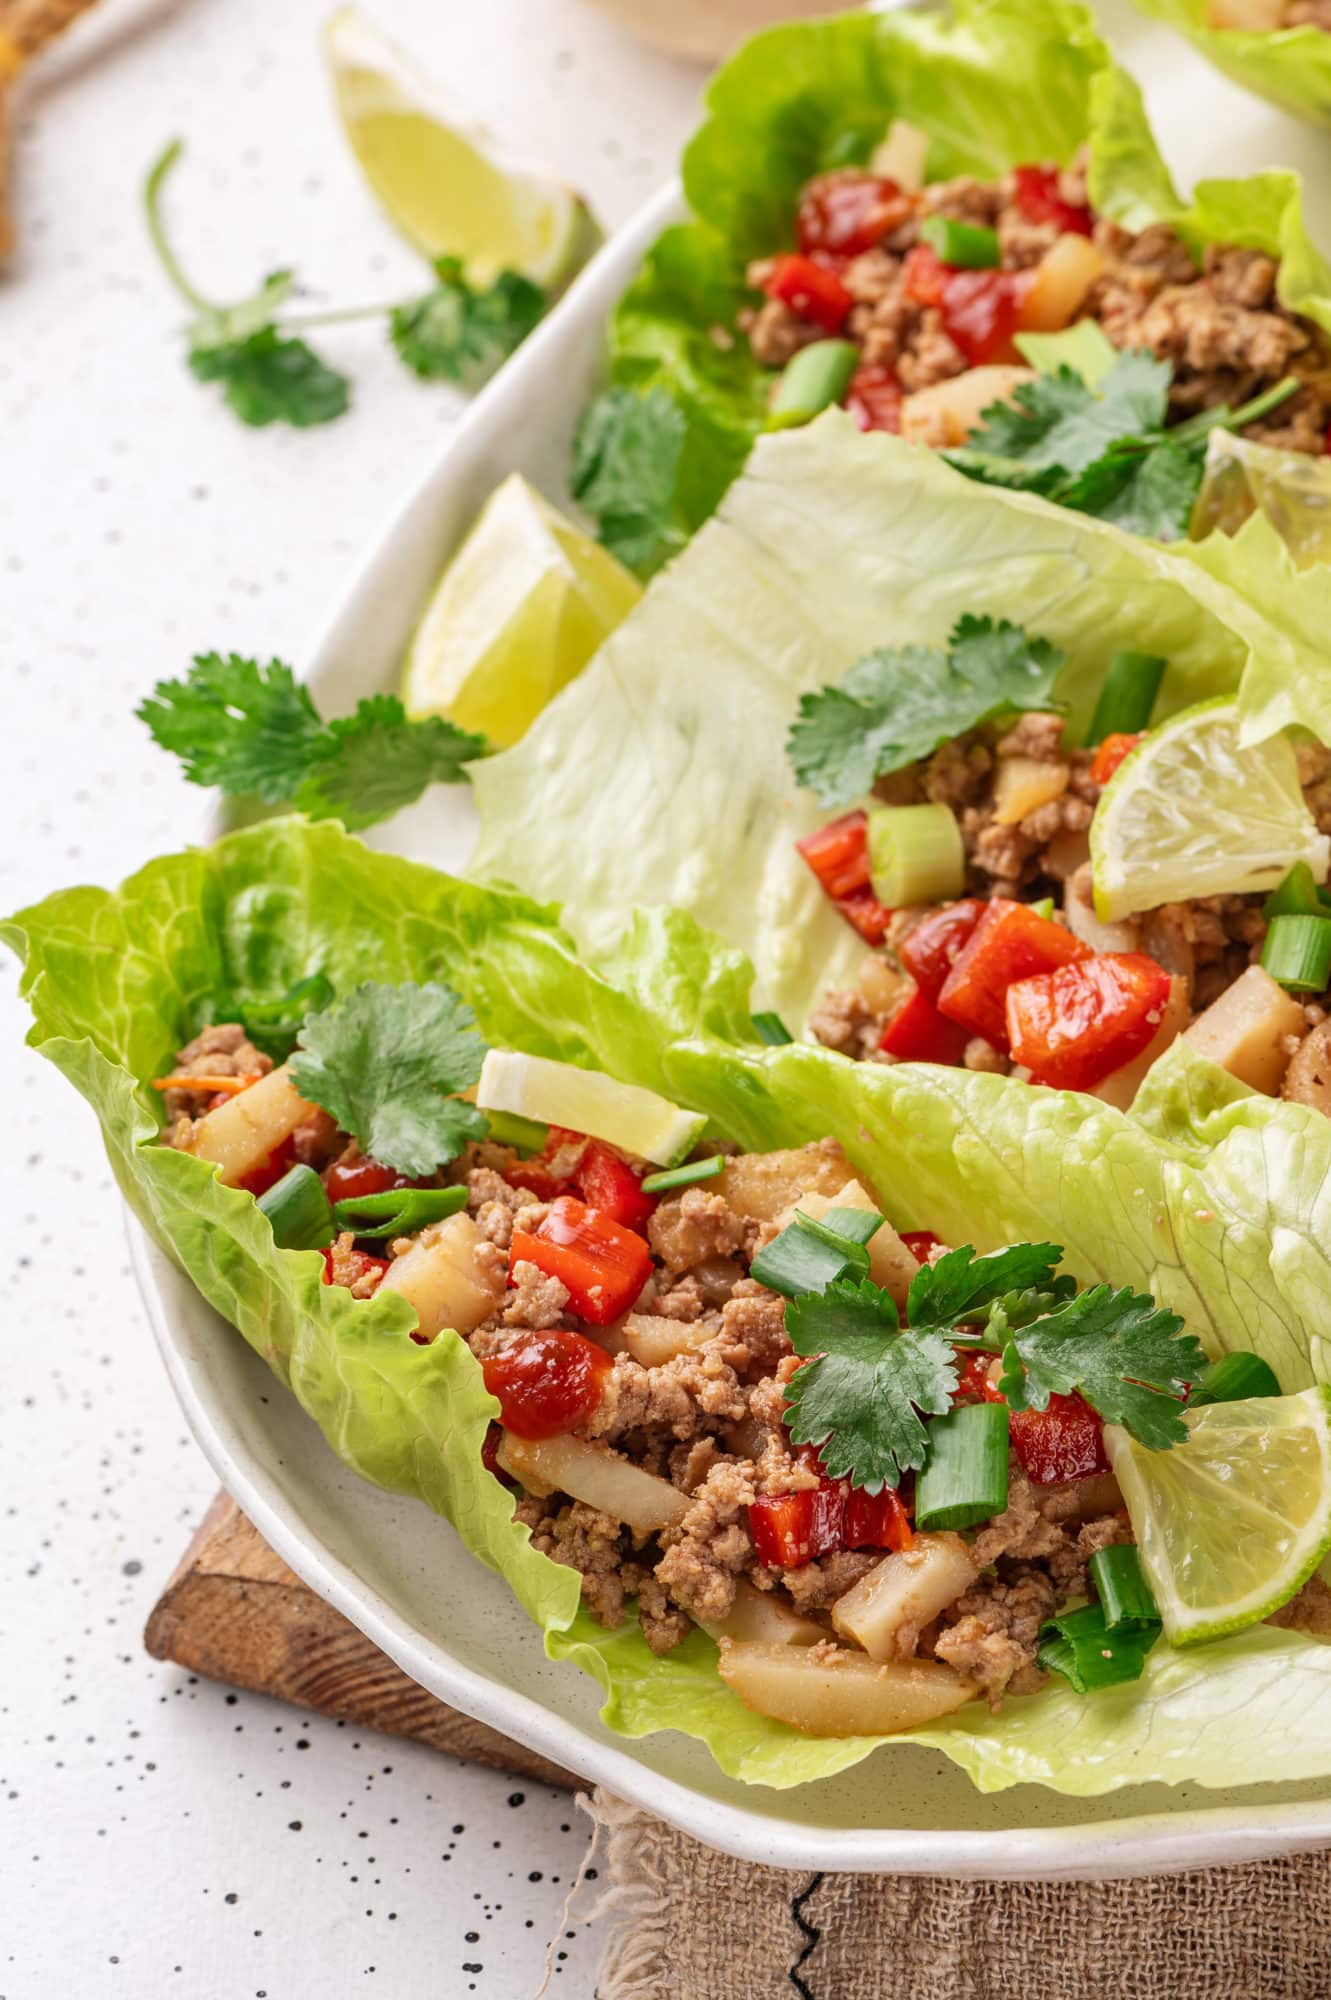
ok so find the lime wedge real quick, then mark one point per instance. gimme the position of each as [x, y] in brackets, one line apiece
[623, 1114]
[1191, 814]
[517, 614]
[443, 182]
[1230, 1524]
[1292, 488]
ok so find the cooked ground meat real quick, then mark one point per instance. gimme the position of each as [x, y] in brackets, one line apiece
[1308, 14]
[347, 1266]
[692, 1227]
[221, 1050]
[536, 1300]
[1309, 1611]
[991, 1633]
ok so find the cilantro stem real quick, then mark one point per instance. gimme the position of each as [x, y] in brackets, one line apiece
[1225, 419]
[299, 322]
[152, 209]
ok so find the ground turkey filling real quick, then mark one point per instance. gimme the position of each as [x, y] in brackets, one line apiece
[1223, 328]
[709, 1419]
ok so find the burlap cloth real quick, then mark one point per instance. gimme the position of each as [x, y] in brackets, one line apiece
[689, 1924]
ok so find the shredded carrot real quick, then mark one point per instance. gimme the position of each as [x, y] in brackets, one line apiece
[223, 1086]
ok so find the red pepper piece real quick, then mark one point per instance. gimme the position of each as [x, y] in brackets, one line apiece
[280, 1161]
[930, 951]
[1009, 943]
[920, 1242]
[839, 854]
[1039, 200]
[547, 1383]
[1111, 753]
[875, 1521]
[874, 398]
[863, 910]
[604, 1265]
[791, 1529]
[608, 1184]
[973, 1384]
[810, 290]
[982, 311]
[846, 212]
[550, 1172]
[1066, 1441]
[917, 1032]
[1075, 1026]
[361, 1177]
[924, 275]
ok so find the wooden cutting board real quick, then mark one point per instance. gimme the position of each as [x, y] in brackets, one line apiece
[234, 1612]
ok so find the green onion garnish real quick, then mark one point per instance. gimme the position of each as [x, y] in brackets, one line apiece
[813, 380]
[969, 246]
[965, 1474]
[915, 855]
[1297, 896]
[297, 1207]
[525, 1135]
[1078, 1645]
[1233, 1379]
[1124, 1594]
[398, 1211]
[273, 1025]
[688, 1175]
[770, 1028]
[1128, 695]
[1044, 908]
[1297, 953]
[808, 1255]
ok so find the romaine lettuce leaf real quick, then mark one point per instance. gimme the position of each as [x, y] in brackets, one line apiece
[1218, 1202]
[1291, 67]
[661, 775]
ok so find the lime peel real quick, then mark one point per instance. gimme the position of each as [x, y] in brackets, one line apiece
[557, 1093]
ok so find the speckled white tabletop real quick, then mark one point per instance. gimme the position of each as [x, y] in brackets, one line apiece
[159, 1834]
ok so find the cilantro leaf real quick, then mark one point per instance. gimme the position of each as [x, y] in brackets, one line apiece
[456, 334]
[267, 379]
[897, 705]
[246, 728]
[961, 1285]
[859, 1399]
[626, 458]
[385, 1063]
[1145, 492]
[377, 761]
[1056, 420]
[1127, 1356]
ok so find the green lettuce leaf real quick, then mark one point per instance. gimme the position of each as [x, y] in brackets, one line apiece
[1291, 68]
[993, 83]
[1217, 1202]
[671, 784]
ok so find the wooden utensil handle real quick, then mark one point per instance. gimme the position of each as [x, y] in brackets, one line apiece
[28, 25]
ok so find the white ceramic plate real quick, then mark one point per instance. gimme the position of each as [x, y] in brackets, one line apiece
[399, 1572]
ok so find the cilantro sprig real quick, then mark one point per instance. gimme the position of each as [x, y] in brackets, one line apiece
[1105, 450]
[898, 704]
[626, 455]
[269, 374]
[253, 731]
[387, 1063]
[867, 1384]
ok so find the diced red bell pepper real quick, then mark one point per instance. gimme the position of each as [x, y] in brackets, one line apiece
[280, 1161]
[791, 1529]
[839, 854]
[608, 1184]
[845, 213]
[973, 1384]
[354, 1181]
[1066, 1441]
[874, 398]
[1039, 200]
[1009, 943]
[932, 948]
[981, 310]
[603, 1265]
[868, 916]
[917, 1032]
[810, 290]
[875, 1521]
[920, 1243]
[1110, 754]
[924, 275]
[1075, 1026]
[548, 1382]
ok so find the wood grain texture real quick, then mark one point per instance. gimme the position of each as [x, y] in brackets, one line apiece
[234, 1612]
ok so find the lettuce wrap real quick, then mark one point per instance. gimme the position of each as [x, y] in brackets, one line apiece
[993, 83]
[1217, 1202]
[1290, 67]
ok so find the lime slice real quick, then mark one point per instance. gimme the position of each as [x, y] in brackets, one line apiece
[517, 614]
[1292, 488]
[1191, 814]
[1230, 1524]
[623, 1114]
[443, 182]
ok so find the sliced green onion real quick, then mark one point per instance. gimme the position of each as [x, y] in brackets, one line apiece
[915, 855]
[525, 1135]
[1084, 348]
[1044, 908]
[965, 1474]
[1128, 695]
[1233, 1379]
[847, 1225]
[1297, 896]
[273, 1025]
[770, 1028]
[807, 1256]
[1297, 953]
[688, 1175]
[1078, 1645]
[813, 380]
[969, 246]
[297, 1207]
[398, 1211]
[1125, 1595]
